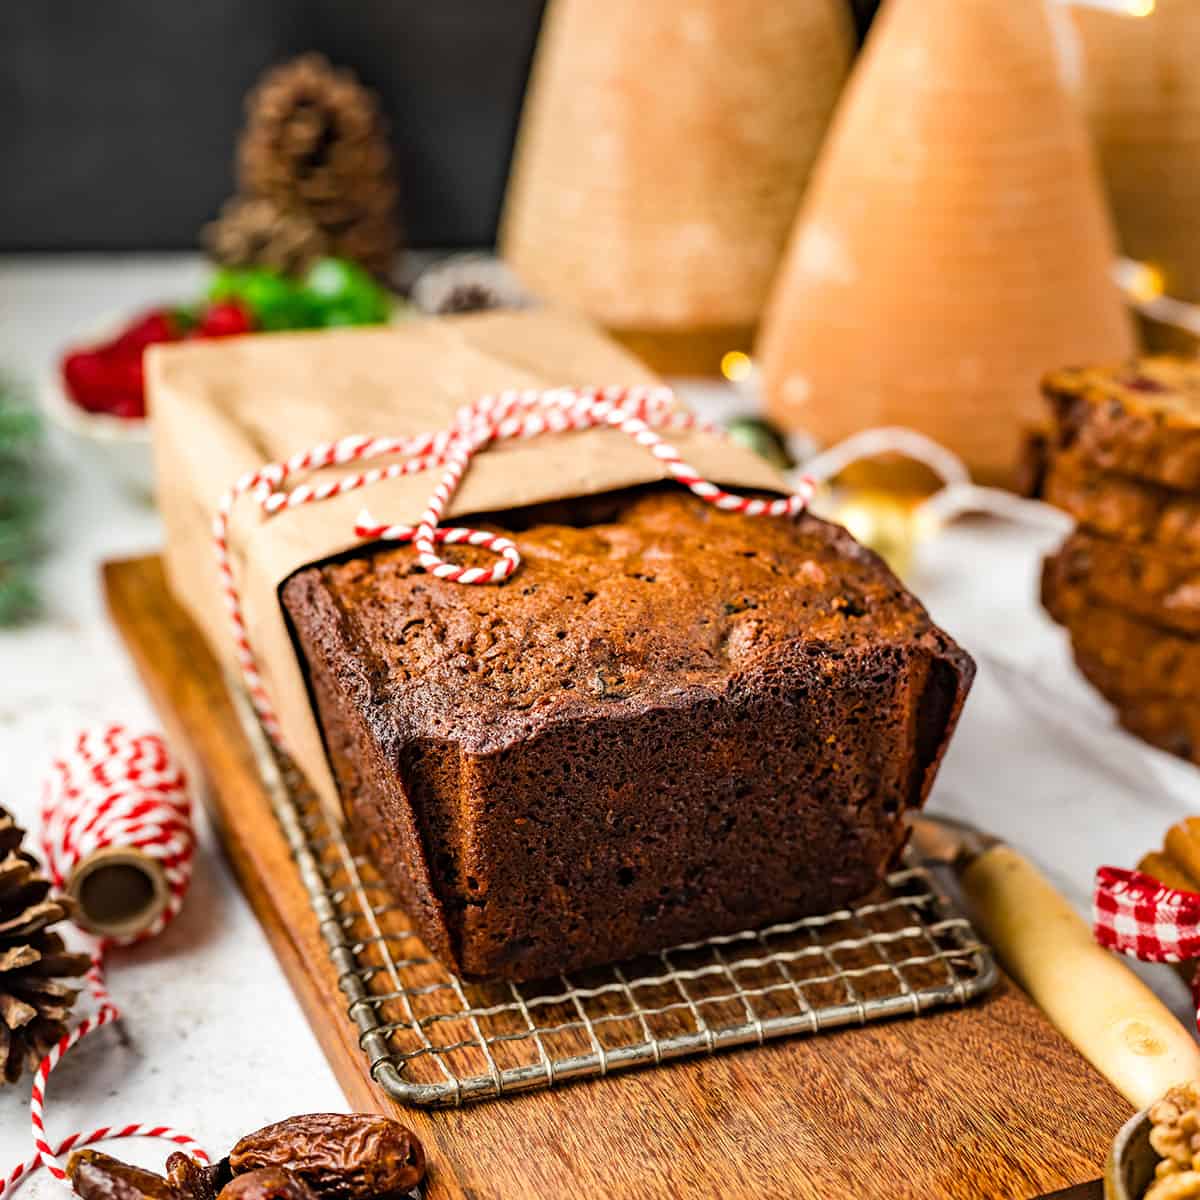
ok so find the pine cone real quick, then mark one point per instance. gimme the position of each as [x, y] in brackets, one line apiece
[256, 232]
[34, 1003]
[316, 145]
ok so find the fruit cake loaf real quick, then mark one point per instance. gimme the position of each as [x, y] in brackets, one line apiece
[1171, 725]
[1160, 587]
[1121, 507]
[1124, 655]
[671, 722]
[1141, 418]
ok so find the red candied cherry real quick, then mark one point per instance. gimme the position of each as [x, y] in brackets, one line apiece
[125, 371]
[89, 380]
[1144, 383]
[156, 325]
[131, 406]
[106, 381]
[224, 319]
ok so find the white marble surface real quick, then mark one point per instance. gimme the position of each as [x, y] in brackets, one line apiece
[218, 1045]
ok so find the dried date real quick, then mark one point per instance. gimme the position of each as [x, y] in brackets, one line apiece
[193, 1180]
[97, 1176]
[340, 1157]
[267, 1183]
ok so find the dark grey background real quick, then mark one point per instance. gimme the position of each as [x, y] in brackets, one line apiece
[118, 118]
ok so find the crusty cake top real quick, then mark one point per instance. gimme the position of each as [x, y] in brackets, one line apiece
[639, 600]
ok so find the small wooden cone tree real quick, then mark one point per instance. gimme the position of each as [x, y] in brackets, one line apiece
[662, 154]
[1141, 91]
[954, 243]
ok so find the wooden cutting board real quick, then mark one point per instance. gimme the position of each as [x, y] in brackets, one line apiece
[986, 1102]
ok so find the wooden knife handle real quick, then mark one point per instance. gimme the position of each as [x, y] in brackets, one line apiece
[1100, 1006]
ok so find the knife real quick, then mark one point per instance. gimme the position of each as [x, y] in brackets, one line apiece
[1102, 1008]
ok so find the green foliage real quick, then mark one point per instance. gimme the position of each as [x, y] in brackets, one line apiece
[20, 503]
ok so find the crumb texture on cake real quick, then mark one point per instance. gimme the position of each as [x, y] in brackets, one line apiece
[1142, 580]
[671, 722]
[1122, 507]
[1140, 418]
[1116, 650]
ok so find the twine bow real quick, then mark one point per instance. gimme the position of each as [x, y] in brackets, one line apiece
[1136, 915]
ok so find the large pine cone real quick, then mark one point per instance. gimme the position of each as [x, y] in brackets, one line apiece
[34, 1003]
[316, 145]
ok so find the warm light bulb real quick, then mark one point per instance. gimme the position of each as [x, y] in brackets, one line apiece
[1140, 8]
[736, 366]
[1141, 282]
[1144, 282]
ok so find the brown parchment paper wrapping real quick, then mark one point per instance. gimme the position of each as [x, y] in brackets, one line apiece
[223, 408]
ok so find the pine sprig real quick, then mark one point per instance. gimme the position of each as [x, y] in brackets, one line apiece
[20, 503]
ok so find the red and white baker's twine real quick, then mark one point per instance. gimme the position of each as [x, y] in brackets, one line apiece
[638, 412]
[110, 788]
[1136, 915]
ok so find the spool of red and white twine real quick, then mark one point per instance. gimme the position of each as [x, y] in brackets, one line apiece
[112, 799]
[638, 412]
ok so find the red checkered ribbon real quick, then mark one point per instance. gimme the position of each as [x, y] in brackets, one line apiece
[638, 412]
[110, 788]
[1136, 915]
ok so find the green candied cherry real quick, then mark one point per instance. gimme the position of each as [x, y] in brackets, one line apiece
[227, 284]
[339, 315]
[344, 294]
[273, 300]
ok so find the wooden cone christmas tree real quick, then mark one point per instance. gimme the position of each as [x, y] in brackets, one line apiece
[662, 154]
[1141, 91]
[953, 245]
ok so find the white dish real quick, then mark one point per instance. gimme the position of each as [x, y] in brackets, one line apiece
[119, 446]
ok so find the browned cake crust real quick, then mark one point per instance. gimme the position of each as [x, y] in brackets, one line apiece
[1162, 588]
[1033, 462]
[1140, 419]
[1120, 507]
[1121, 654]
[1171, 725]
[671, 723]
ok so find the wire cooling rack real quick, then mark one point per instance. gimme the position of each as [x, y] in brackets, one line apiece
[431, 1038]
